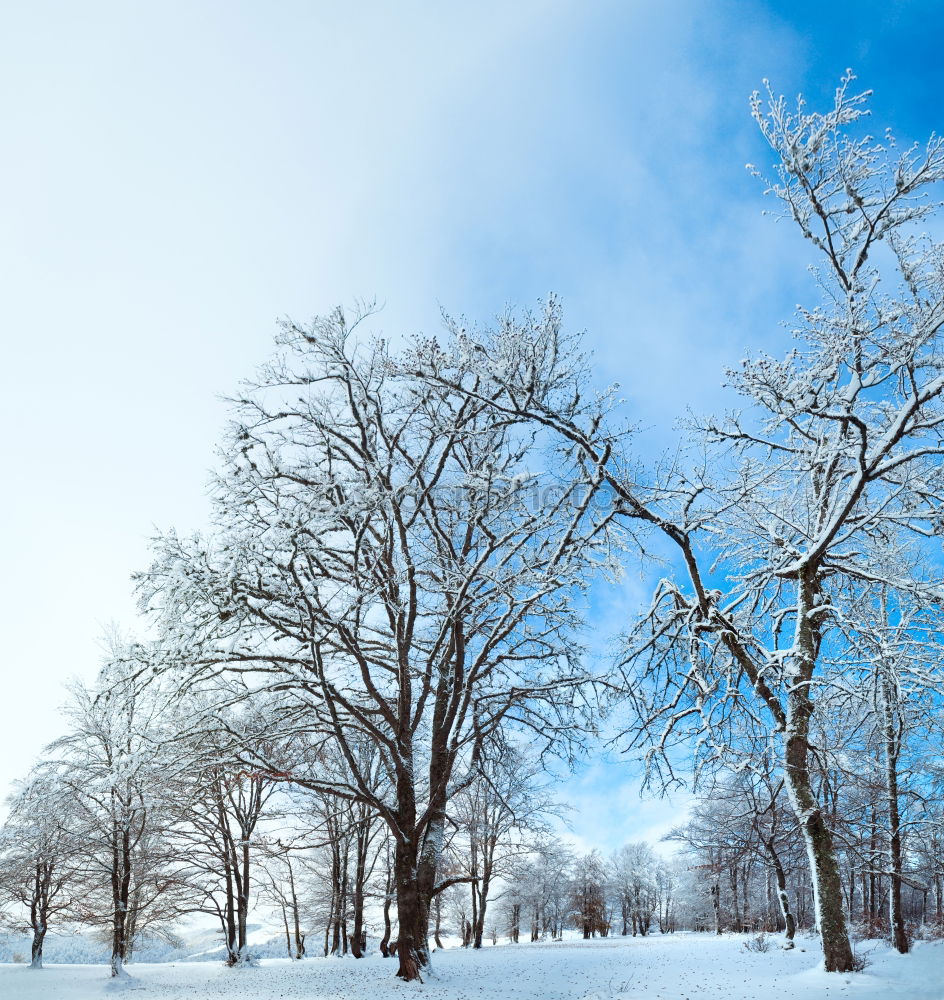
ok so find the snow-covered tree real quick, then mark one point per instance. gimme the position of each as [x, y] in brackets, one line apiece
[390, 558]
[282, 881]
[350, 844]
[774, 517]
[40, 856]
[116, 764]
[541, 882]
[633, 873]
[589, 896]
[904, 680]
[497, 814]
[226, 801]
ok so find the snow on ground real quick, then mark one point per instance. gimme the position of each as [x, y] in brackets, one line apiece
[676, 967]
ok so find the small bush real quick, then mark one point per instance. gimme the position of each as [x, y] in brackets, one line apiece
[18, 957]
[860, 961]
[759, 943]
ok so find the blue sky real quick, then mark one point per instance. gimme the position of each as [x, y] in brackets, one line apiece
[175, 176]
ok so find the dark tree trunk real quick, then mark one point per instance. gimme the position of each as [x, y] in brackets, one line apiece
[484, 858]
[479, 931]
[412, 914]
[716, 905]
[288, 936]
[415, 869]
[469, 937]
[827, 885]
[892, 752]
[229, 917]
[438, 907]
[788, 921]
[121, 895]
[873, 864]
[242, 879]
[299, 937]
[36, 951]
[342, 900]
[359, 936]
[825, 875]
[39, 913]
[338, 902]
[385, 940]
[389, 887]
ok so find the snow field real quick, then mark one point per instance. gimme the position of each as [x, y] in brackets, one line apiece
[675, 967]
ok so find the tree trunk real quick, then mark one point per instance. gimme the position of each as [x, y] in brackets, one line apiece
[716, 905]
[873, 865]
[299, 937]
[359, 936]
[38, 914]
[131, 925]
[342, 896]
[415, 871]
[788, 921]
[229, 918]
[474, 923]
[892, 751]
[483, 906]
[389, 887]
[735, 901]
[388, 902]
[121, 894]
[337, 901]
[824, 869]
[243, 901]
[771, 922]
[412, 914]
[36, 952]
[288, 936]
[438, 927]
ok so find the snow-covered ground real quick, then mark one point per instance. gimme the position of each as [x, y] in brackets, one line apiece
[679, 967]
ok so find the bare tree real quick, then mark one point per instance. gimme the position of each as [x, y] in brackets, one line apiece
[840, 447]
[897, 640]
[633, 874]
[226, 802]
[115, 766]
[504, 804]
[544, 879]
[280, 868]
[589, 896]
[39, 856]
[774, 827]
[390, 558]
